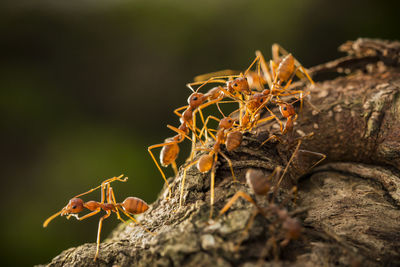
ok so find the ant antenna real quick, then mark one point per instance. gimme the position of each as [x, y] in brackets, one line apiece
[251, 65]
[190, 87]
[219, 108]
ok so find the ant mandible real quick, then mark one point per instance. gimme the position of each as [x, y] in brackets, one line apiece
[131, 205]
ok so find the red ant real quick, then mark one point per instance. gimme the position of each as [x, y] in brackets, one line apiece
[131, 205]
[283, 224]
[170, 148]
[208, 161]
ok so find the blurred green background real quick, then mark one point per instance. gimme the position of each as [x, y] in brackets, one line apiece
[86, 86]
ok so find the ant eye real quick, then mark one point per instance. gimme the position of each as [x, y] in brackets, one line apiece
[195, 98]
[235, 84]
[245, 78]
[284, 108]
[73, 207]
[261, 100]
[230, 121]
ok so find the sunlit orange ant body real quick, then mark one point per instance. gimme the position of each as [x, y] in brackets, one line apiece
[131, 205]
[208, 161]
[170, 148]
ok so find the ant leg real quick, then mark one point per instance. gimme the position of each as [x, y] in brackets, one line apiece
[211, 80]
[98, 233]
[276, 48]
[287, 166]
[233, 200]
[113, 201]
[292, 191]
[193, 128]
[176, 111]
[183, 181]
[304, 71]
[274, 66]
[184, 175]
[275, 52]
[269, 138]
[202, 106]
[104, 182]
[158, 166]
[230, 165]
[246, 229]
[135, 221]
[205, 129]
[276, 118]
[251, 65]
[223, 73]
[265, 251]
[258, 121]
[212, 186]
[323, 157]
[179, 132]
[88, 215]
[265, 69]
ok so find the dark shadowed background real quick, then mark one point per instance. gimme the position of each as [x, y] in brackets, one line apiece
[86, 86]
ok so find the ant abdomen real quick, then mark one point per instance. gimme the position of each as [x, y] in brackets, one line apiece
[134, 205]
[286, 68]
[233, 140]
[205, 163]
[168, 154]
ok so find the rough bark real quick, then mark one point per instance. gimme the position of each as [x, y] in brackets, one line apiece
[349, 206]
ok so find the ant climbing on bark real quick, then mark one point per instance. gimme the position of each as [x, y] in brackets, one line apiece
[170, 148]
[208, 161]
[283, 227]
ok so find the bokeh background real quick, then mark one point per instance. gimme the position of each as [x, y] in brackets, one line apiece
[86, 86]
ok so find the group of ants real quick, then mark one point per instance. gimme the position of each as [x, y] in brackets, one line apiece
[248, 90]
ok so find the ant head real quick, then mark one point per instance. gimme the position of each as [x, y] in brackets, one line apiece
[195, 100]
[226, 123]
[239, 84]
[259, 98]
[256, 100]
[75, 205]
[286, 109]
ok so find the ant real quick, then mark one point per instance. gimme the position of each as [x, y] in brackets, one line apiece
[131, 205]
[283, 228]
[236, 83]
[282, 70]
[170, 148]
[288, 112]
[208, 161]
[236, 87]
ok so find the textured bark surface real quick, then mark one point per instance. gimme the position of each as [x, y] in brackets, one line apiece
[349, 206]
